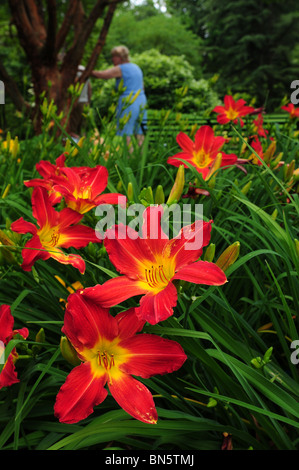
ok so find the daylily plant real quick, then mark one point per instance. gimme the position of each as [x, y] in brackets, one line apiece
[8, 374]
[55, 230]
[232, 111]
[111, 352]
[150, 264]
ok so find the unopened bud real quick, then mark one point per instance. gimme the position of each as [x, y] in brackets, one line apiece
[289, 170]
[40, 336]
[15, 147]
[229, 256]
[130, 192]
[277, 159]
[210, 253]
[68, 351]
[269, 153]
[159, 195]
[178, 186]
[246, 188]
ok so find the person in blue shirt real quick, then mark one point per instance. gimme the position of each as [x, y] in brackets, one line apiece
[132, 77]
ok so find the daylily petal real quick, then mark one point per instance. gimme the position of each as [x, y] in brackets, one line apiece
[69, 217]
[110, 198]
[80, 393]
[42, 209]
[202, 272]
[21, 226]
[75, 260]
[77, 236]
[85, 322]
[8, 375]
[151, 227]
[228, 159]
[33, 251]
[186, 157]
[97, 179]
[134, 398]
[157, 307]
[24, 332]
[187, 246]
[126, 250]
[152, 355]
[6, 323]
[128, 323]
[185, 142]
[204, 138]
[114, 291]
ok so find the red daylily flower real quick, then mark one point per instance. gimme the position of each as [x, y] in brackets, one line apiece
[150, 265]
[111, 352]
[202, 152]
[290, 108]
[258, 126]
[8, 374]
[232, 111]
[258, 148]
[56, 229]
[82, 190]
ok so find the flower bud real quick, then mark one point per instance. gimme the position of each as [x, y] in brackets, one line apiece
[289, 170]
[269, 153]
[178, 186]
[68, 351]
[246, 188]
[15, 147]
[130, 193]
[229, 256]
[210, 253]
[159, 195]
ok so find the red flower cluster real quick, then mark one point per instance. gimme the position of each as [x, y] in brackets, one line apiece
[81, 188]
[109, 347]
[111, 350]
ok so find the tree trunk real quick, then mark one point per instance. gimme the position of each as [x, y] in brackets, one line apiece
[42, 43]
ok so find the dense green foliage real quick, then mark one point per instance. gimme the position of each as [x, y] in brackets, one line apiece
[239, 386]
[252, 44]
[233, 381]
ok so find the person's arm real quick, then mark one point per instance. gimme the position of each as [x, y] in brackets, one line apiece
[114, 72]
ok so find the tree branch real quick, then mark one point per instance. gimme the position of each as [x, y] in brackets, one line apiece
[50, 50]
[36, 20]
[100, 43]
[28, 37]
[66, 24]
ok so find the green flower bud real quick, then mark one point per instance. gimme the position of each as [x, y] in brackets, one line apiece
[229, 256]
[68, 351]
